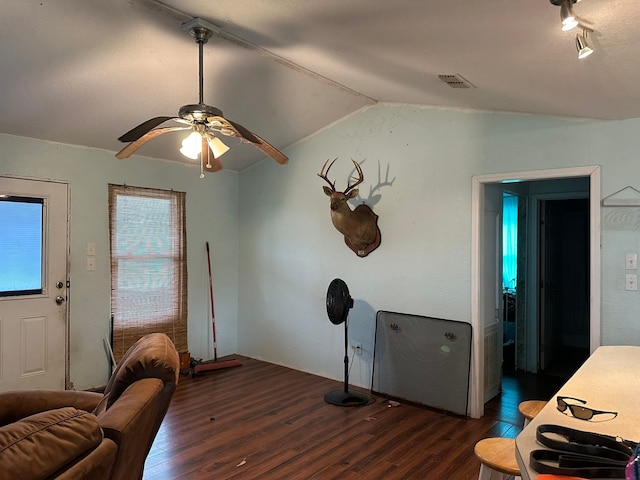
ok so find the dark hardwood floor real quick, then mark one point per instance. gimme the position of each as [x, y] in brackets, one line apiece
[263, 421]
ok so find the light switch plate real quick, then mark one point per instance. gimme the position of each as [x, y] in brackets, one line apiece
[631, 261]
[631, 281]
[91, 264]
[91, 248]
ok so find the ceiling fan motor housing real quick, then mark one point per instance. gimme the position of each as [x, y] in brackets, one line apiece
[198, 112]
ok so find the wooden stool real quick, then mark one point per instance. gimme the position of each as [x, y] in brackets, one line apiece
[497, 459]
[530, 408]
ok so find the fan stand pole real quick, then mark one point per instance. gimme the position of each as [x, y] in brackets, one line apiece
[345, 398]
[346, 357]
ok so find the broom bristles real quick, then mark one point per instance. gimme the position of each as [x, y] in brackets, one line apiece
[215, 365]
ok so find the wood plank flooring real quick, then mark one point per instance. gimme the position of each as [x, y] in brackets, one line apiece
[263, 421]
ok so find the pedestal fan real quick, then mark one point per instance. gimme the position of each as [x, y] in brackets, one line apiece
[338, 304]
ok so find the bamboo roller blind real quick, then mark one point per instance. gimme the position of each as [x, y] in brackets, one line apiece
[148, 265]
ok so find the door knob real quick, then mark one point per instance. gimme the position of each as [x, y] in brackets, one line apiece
[59, 299]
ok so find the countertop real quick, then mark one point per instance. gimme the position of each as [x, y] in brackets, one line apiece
[608, 380]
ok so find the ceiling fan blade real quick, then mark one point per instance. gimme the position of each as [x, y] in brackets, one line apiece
[135, 145]
[136, 132]
[208, 160]
[270, 150]
[233, 129]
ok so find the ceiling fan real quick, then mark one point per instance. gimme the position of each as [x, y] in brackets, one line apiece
[203, 120]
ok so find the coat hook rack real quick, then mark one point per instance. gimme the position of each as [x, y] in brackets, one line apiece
[625, 200]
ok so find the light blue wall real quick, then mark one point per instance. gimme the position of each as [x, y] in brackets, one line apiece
[290, 251]
[274, 250]
[212, 215]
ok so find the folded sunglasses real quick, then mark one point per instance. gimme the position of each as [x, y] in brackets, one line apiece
[580, 411]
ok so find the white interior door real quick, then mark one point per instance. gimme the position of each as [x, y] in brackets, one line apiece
[491, 298]
[33, 284]
[491, 311]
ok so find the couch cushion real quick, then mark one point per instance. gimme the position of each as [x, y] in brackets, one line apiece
[39, 445]
[96, 465]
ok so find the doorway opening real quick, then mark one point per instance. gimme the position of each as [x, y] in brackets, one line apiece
[539, 189]
[563, 286]
[562, 296]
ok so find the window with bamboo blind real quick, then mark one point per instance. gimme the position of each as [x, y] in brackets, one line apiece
[148, 265]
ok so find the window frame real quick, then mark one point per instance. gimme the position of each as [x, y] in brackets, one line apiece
[42, 241]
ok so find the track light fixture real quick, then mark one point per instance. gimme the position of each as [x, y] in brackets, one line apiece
[582, 46]
[569, 21]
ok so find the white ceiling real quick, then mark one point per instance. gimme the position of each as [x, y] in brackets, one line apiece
[84, 72]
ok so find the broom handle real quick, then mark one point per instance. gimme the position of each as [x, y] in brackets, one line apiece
[213, 316]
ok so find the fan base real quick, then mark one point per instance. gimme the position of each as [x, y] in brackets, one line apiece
[346, 399]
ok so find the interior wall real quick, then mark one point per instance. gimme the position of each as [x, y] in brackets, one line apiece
[212, 215]
[284, 252]
[290, 251]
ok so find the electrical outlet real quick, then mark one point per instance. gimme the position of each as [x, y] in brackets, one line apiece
[357, 348]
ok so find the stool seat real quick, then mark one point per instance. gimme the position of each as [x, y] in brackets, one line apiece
[498, 454]
[530, 408]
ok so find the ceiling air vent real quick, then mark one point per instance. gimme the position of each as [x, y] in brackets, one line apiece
[455, 81]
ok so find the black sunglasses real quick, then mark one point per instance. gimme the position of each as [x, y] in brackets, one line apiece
[580, 411]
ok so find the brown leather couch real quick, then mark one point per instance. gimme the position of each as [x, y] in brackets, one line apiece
[77, 435]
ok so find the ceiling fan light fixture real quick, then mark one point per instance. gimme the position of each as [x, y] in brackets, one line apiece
[217, 146]
[193, 155]
[202, 118]
[582, 46]
[192, 146]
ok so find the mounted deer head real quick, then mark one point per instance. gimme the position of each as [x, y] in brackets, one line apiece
[359, 226]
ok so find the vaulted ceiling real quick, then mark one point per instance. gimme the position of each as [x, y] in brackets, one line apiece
[84, 72]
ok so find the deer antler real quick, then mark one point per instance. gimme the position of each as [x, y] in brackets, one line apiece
[359, 180]
[323, 174]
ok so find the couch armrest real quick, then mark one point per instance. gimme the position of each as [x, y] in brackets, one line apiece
[19, 404]
[132, 423]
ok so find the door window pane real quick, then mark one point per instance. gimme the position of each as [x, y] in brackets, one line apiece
[21, 245]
